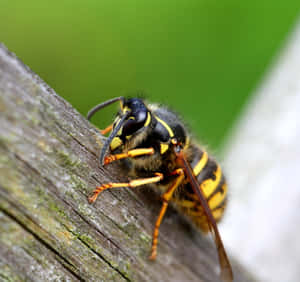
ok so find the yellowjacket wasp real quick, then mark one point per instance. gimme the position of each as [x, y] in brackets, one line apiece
[161, 152]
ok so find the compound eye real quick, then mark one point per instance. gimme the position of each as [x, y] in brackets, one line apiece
[134, 123]
[130, 127]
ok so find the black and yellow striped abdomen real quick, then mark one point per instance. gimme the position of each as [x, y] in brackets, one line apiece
[211, 181]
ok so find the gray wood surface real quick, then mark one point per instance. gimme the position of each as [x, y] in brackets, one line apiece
[48, 230]
[263, 166]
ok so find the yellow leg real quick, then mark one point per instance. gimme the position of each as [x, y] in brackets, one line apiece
[131, 184]
[166, 198]
[130, 154]
[107, 129]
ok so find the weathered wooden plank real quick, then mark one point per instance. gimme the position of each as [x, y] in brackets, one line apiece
[48, 166]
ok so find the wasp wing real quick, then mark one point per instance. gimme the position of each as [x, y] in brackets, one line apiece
[226, 270]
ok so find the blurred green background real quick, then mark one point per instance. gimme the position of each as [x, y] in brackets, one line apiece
[203, 58]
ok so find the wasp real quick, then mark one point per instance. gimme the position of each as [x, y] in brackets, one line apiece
[159, 150]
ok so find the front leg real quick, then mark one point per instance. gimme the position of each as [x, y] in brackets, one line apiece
[130, 154]
[133, 183]
[107, 129]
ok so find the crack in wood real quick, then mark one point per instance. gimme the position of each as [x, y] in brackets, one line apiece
[67, 265]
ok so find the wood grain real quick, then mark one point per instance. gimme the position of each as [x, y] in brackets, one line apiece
[48, 230]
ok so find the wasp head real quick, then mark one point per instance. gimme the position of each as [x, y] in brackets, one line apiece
[129, 125]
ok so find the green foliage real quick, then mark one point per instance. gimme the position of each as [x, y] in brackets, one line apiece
[203, 58]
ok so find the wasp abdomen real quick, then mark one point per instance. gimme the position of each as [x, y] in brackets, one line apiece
[212, 182]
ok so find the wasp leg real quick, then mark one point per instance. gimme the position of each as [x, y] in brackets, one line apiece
[107, 129]
[133, 183]
[130, 154]
[166, 198]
